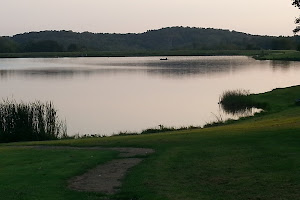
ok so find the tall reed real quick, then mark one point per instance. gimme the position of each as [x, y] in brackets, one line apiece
[29, 122]
[236, 102]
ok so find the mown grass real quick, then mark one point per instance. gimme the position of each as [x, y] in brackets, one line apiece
[28, 174]
[254, 158]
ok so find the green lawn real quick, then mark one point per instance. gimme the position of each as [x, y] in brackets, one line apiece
[31, 174]
[254, 158]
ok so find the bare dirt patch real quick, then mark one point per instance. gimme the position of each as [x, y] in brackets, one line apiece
[105, 178]
[124, 151]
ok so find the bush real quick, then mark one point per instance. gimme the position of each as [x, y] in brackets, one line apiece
[29, 122]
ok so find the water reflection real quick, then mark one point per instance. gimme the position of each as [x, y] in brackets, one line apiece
[238, 112]
[166, 72]
[108, 95]
[175, 67]
[281, 65]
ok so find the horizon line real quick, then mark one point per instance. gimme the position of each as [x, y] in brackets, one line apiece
[80, 32]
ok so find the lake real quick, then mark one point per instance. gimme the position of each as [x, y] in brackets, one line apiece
[108, 95]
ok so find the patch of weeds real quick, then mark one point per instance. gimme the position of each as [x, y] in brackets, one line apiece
[238, 102]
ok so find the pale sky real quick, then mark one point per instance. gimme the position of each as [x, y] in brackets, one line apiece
[262, 17]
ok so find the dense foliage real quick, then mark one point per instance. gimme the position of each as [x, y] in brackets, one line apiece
[7, 45]
[172, 38]
[43, 46]
[296, 3]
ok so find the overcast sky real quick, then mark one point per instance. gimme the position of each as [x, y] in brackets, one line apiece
[263, 17]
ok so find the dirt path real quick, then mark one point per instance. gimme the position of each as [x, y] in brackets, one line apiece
[105, 178]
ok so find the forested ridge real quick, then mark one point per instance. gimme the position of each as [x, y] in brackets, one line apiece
[171, 38]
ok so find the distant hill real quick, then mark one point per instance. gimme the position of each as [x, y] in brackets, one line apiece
[171, 38]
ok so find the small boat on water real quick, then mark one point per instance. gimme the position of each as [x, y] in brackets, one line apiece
[164, 59]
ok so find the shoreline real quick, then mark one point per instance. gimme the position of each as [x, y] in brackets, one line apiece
[285, 55]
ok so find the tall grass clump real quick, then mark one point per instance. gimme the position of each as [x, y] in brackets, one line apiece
[237, 102]
[29, 122]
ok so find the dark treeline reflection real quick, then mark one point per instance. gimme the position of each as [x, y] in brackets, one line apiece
[281, 65]
[168, 72]
[174, 67]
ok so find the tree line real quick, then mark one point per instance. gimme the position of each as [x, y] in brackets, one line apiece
[170, 38]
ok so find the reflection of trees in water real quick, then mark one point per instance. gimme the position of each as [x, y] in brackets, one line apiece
[281, 65]
[36, 73]
[61, 73]
[166, 72]
[185, 67]
[4, 74]
[188, 71]
[176, 68]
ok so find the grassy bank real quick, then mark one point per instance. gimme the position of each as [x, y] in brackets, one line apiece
[279, 55]
[255, 158]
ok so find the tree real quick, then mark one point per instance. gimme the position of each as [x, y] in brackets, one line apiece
[296, 3]
[43, 46]
[73, 47]
[8, 46]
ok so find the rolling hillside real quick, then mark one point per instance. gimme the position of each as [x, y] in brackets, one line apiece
[171, 38]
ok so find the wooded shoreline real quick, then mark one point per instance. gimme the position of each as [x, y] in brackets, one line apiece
[288, 55]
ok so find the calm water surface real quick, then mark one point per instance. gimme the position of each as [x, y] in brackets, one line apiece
[108, 95]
